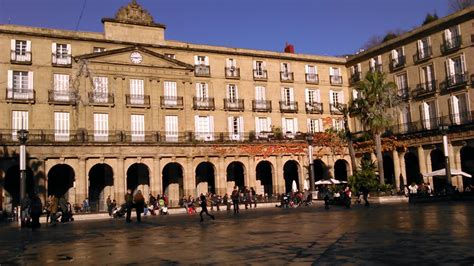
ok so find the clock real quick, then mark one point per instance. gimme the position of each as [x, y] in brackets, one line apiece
[136, 57]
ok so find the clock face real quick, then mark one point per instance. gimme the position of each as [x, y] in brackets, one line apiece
[136, 57]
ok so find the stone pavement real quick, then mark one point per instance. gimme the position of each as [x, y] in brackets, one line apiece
[438, 233]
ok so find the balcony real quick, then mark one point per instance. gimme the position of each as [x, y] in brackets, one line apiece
[376, 68]
[15, 95]
[232, 72]
[171, 102]
[288, 107]
[356, 77]
[202, 71]
[101, 98]
[260, 75]
[335, 109]
[312, 78]
[314, 108]
[203, 103]
[286, 76]
[335, 80]
[397, 63]
[451, 45]
[424, 90]
[137, 100]
[422, 55]
[403, 93]
[261, 106]
[22, 57]
[61, 60]
[62, 97]
[455, 82]
[234, 104]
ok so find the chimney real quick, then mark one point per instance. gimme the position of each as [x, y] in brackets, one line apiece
[289, 48]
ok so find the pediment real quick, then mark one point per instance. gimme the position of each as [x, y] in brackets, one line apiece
[122, 57]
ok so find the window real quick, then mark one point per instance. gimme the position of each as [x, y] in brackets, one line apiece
[61, 126]
[236, 127]
[201, 60]
[232, 95]
[101, 127]
[100, 93]
[312, 96]
[98, 49]
[61, 87]
[335, 75]
[20, 85]
[455, 69]
[20, 50]
[204, 127]
[287, 96]
[259, 69]
[375, 64]
[19, 121]
[402, 84]
[137, 91]
[423, 47]
[289, 126]
[171, 93]
[338, 124]
[138, 127]
[171, 128]
[262, 124]
[315, 125]
[429, 114]
[398, 57]
[311, 73]
[61, 54]
[452, 38]
[231, 62]
[171, 56]
[260, 98]
[335, 97]
[427, 78]
[458, 108]
[405, 117]
[202, 90]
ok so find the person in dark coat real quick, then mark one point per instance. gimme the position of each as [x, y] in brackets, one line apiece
[36, 210]
[235, 199]
[129, 205]
[203, 205]
[139, 201]
[365, 193]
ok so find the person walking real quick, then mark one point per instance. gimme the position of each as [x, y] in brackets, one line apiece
[54, 209]
[129, 205]
[203, 204]
[253, 197]
[139, 201]
[48, 209]
[226, 201]
[365, 194]
[36, 210]
[235, 199]
[109, 205]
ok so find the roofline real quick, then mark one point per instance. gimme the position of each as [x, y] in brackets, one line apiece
[154, 25]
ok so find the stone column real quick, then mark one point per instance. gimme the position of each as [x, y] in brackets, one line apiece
[189, 180]
[120, 184]
[82, 182]
[278, 177]
[421, 159]
[157, 184]
[403, 170]
[252, 175]
[396, 167]
[455, 159]
[221, 177]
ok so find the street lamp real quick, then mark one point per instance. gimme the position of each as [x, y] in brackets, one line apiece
[309, 138]
[444, 131]
[22, 137]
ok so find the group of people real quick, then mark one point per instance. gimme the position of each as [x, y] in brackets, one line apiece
[296, 199]
[424, 189]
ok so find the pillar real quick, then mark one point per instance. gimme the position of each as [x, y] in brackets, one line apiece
[455, 159]
[157, 184]
[396, 167]
[82, 182]
[421, 159]
[189, 180]
[120, 186]
[221, 177]
[403, 169]
[278, 177]
[252, 175]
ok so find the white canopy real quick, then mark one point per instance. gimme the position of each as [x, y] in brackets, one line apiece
[442, 172]
[331, 181]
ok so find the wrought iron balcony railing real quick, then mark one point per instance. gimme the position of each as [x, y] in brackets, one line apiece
[286, 76]
[314, 108]
[335, 80]
[202, 70]
[101, 98]
[261, 106]
[203, 103]
[234, 104]
[422, 54]
[137, 100]
[403, 93]
[20, 95]
[171, 102]
[424, 90]
[22, 57]
[335, 109]
[288, 107]
[356, 77]
[62, 97]
[232, 72]
[260, 74]
[451, 45]
[397, 63]
[454, 121]
[312, 78]
[455, 82]
[61, 60]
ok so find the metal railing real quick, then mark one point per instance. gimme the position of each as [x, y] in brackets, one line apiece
[20, 95]
[335, 108]
[61, 60]
[454, 81]
[261, 106]
[422, 54]
[312, 78]
[454, 121]
[335, 80]
[20, 58]
[356, 77]
[288, 107]
[376, 68]
[451, 45]
[260, 74]
[62, 97]
[203, 103]
[397, 63]
[232, 72]
[314, 108]
[403, 93]
[234, 104]
[137, 100]
[99, 98]
[171, 102]
[424, 89]
[286, 76]
[202, 70]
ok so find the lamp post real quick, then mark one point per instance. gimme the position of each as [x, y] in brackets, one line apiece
[444, 131]
[22, 137]
[309, 138]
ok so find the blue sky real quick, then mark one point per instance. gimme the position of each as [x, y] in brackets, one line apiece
[323, 27]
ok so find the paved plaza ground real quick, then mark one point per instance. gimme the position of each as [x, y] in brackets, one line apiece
[434, 233]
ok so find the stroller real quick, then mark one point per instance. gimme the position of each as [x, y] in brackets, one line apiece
[66, 215]
[119, 212]
[309, 200]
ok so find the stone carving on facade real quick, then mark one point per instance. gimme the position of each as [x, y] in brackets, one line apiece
[133, 13]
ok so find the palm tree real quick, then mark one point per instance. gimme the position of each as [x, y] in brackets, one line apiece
[346, 111]
[374, 109]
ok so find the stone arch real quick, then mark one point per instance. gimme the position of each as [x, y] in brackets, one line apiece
[12, 183]
[291, 173]
[173, 185]
[138, 178]
[101, 177]
[205, 178]
[438, 162]
[264, 174]
[412, 167]
[388, 169]
[467, 164]
[61, 178]
[235, 174]
[321, 171]
[341, 170]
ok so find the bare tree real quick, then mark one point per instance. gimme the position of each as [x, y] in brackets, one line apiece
[457, 5]
[373, 41]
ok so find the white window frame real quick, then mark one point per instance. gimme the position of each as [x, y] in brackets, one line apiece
[171, 128]
[137, 91]
[204, 132]
[61, 87]
[61, 53]
[170, 92]
[315, 125]
[101, 89]
[235, 126]
[137, 127]
[19, 121]
[101, 127]
[61, 126]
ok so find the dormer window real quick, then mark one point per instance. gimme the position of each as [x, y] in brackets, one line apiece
[61, 54]
[201, 66]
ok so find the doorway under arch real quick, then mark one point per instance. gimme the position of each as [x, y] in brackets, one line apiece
[321, 170]
[291, 176]
[12, 183]
[205, 178]
[388, 169]
[61, 178]
[138, 178]
[264, 172]
[173, 182]
[341, 170]
[467, 164]
[236, 173]
[438, 162]
[101, 180]
[412, 168]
